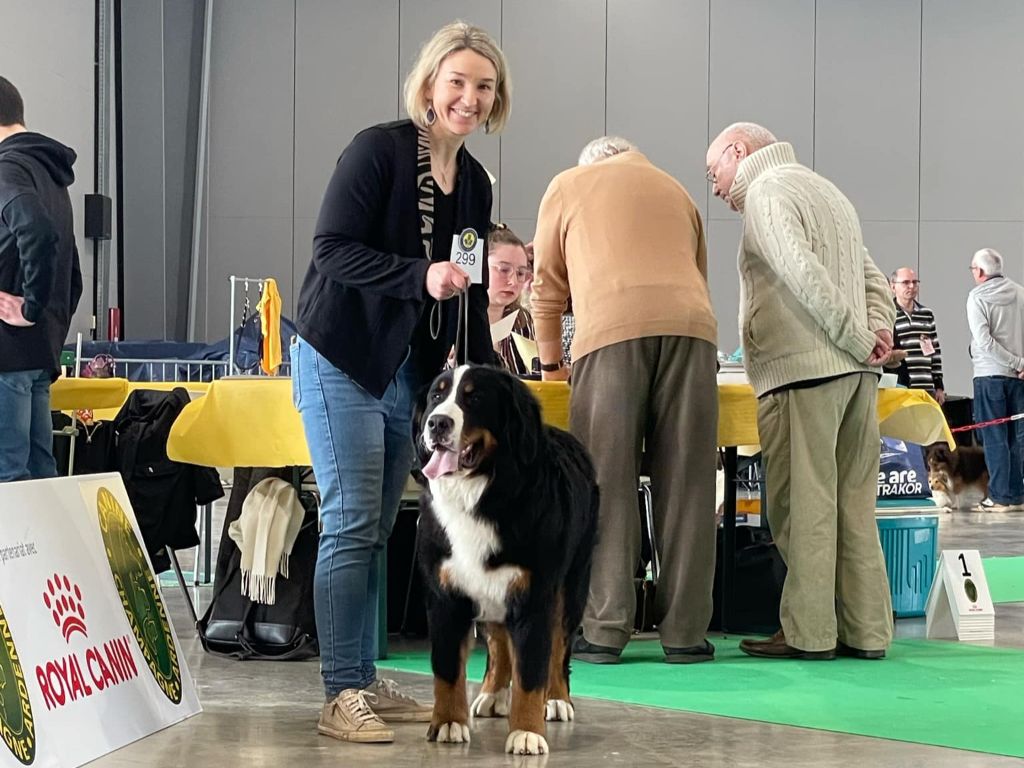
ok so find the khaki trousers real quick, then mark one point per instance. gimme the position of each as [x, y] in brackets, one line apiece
[820, 448]
[659, 392]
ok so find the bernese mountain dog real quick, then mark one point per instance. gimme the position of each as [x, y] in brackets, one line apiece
[507, 530]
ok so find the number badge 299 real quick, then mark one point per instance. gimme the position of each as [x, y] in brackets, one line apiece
[468, 253]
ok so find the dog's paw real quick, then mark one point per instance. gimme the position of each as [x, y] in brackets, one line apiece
[490, 704]
[449, 733]
[526, 743]
[559, 709]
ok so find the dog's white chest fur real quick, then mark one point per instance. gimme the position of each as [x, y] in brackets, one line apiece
[473, 542]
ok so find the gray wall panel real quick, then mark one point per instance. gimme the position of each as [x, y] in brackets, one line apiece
[246, 246]
[557, 55]
[891, 244]
[345, 73]
[658, 48]
[723, 244]
[251, 108]
[251, 162]
[58, 97]
[524, 228]
[183, 40]
[946, 250]
[345, 80]
[762, 70]
[303, 249]
[867, 93]
[145, 227]
[971, 75]
[419, 21]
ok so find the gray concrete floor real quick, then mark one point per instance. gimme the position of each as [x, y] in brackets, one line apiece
[263, 714]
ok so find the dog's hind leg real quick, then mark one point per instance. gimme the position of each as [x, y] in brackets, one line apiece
[558, 705]
[450, 622]
[493, 699]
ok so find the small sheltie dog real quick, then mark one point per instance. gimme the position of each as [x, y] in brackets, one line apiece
[954, 475]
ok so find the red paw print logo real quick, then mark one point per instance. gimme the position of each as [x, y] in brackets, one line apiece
[64, 600]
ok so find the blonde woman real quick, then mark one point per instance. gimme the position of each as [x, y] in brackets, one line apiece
[376, 320]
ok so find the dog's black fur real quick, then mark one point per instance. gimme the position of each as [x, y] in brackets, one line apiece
[952, 473]
[540, 499]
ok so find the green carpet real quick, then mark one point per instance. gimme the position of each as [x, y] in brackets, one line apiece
[946, 694]
[1005, 578]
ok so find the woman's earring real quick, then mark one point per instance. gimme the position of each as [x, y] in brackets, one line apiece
[431, 114]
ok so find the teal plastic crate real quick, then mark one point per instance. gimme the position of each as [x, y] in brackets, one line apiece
[911, 547]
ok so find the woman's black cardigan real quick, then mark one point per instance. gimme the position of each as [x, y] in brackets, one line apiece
[364, 301]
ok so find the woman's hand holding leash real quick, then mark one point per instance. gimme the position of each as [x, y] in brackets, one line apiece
[445, 280]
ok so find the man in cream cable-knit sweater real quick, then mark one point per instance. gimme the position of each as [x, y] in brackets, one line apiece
[816, 318]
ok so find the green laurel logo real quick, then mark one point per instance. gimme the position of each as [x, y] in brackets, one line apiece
[139, 596]
[17, 728]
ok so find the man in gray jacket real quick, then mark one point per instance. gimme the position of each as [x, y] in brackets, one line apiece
[995, 312]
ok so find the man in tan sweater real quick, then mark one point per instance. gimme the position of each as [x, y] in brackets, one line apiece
[625, 240]
[816, 319]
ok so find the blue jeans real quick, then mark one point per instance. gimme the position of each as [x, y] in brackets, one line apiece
[362, 451]
[996, 397]
[26, 431]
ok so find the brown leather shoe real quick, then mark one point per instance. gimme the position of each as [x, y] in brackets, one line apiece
[775, 647]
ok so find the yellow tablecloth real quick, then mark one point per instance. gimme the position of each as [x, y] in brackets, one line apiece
[75, 394]
[104, 397]
[248, 421]
[907, 414]
[252, 422]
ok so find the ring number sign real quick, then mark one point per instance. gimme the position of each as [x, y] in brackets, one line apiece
[959, 604]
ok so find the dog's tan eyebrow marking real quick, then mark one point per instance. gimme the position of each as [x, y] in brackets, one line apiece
[468, 387]
[442, 384]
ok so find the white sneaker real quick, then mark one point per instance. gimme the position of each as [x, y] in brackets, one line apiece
[394, 706]
[987, 505]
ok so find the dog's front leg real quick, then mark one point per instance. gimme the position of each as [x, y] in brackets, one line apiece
[450, 621]
[531, 647]
[493, 699]
[559, 705]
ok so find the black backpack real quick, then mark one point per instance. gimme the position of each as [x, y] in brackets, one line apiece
[236, 627]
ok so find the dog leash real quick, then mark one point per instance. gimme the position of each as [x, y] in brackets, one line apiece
[425, 200]
[989, 423]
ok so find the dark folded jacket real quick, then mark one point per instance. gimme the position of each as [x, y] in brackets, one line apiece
[164, 493]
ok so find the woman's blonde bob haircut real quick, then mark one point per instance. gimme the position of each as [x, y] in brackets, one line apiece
[454, 37]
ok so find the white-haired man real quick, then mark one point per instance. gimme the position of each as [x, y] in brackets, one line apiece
[995, 312]
[816, 316]
[626, 241]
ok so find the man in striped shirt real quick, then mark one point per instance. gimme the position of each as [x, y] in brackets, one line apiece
[915, 340]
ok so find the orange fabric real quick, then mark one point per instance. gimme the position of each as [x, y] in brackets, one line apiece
[269, 308]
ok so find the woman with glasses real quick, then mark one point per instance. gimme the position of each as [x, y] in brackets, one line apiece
[509, 273]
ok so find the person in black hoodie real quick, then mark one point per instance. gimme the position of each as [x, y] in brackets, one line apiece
[40, 285]
[383, 302]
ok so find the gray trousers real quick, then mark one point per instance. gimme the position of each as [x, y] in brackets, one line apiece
[657, 394]
[820, 449]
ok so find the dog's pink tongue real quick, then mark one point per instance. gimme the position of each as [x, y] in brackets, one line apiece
[441, 463]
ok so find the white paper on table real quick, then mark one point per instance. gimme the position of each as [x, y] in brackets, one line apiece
[527, 347]
[501, 329]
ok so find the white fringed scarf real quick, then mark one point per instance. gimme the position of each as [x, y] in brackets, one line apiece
[265, 532]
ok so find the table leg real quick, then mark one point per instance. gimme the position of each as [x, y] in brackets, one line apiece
[728, 569]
